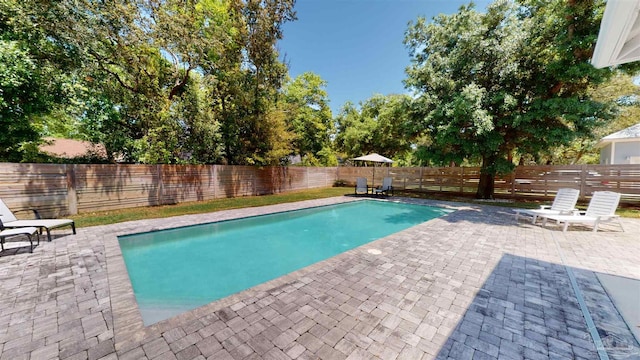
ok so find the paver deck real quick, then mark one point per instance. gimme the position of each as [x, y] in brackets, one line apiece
[470, 285]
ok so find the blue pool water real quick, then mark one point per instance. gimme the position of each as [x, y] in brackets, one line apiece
[179, 269]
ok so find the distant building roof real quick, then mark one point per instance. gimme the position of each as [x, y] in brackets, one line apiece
[70, 148]
[632, 132]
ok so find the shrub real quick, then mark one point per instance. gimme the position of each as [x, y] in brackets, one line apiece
[340, 183]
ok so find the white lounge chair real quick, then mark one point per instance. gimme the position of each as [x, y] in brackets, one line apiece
[563, 203]
[601, 208]
[30, 232]
[361, 186]
[10, 221]
[385, 188]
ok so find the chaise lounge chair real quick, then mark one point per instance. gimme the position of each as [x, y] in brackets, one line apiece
[601, 208]
[30, 232]
[563, 203]
[385, 188]
[361, 186]
[10, 221]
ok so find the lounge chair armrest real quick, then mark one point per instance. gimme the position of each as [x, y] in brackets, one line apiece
[544, 207]
[36, 214]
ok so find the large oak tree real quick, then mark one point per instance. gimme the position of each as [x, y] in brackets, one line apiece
[513, 80]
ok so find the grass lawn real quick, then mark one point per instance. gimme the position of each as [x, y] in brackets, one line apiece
[154, 212]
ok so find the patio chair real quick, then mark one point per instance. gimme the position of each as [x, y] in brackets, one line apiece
[601, 208]
[30, 232]
[563, 203]
[385, 188]
[10, 221]
[361, 186]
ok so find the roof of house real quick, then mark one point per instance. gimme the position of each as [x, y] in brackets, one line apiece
[619, 37]
[70, 148]
[632, 132]
[628, 133]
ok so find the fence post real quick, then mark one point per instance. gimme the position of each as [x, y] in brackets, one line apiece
[547, 170]
[421, 174]
[214, 180]
[72, 195]
[462, 179]
[513, 182]
[583, 180]
[254, 182]
[326, 179]
[160, 185]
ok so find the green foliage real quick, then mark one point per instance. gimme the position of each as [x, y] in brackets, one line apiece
[200, 138]
[378, 126]
[29, 76]
[306, 105]
[513, 80]
[168, 81]
[278, 139]
[18, 99]
[339, 183]
[623, 96]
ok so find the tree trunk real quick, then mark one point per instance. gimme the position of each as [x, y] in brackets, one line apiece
[487, 179]
[486, 186]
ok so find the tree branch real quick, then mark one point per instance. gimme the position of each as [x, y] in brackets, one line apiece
[180, 83]
[101, 61]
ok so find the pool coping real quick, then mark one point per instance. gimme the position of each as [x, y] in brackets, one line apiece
[129, 328]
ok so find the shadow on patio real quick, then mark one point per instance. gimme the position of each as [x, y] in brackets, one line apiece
[527, 308]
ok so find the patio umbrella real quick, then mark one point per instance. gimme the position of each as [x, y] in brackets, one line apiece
[374, 158]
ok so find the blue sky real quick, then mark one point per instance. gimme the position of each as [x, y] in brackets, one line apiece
[356, 45]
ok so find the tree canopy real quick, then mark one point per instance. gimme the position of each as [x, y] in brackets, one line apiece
[201, 81]
[623, 95]
[513, 80]
[154, 81]
[379, 125]
[306, 108]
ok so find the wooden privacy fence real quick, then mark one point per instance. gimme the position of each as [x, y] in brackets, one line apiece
[58, 190]
[525, 182]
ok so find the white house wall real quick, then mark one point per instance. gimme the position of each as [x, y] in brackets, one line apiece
[605, 155]
[625, 152]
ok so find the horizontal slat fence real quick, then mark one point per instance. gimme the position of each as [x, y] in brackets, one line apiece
[58, 190]
[527, 182]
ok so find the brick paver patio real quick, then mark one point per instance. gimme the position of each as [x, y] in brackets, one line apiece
[470, 285]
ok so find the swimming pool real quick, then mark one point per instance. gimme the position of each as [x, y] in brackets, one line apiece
[176, 270]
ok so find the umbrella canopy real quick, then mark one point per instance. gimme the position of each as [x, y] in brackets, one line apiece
[374, 158]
